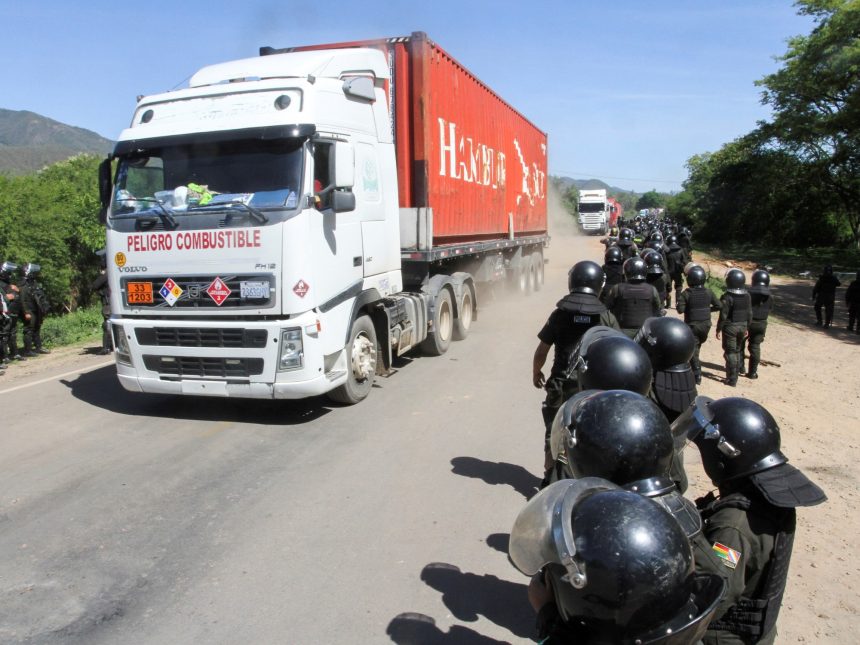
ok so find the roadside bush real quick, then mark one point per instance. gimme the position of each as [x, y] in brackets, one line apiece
[82, 324]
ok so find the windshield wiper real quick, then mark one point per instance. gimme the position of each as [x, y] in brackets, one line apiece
[255, 213]
[163, 212]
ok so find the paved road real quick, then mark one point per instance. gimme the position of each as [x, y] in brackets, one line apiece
[150, 519]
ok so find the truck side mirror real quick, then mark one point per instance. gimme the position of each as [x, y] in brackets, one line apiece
[344, 165]
[104, 187]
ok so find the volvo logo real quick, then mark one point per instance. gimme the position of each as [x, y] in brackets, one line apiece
[133, 269]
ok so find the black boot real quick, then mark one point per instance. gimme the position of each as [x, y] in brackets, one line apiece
[753, 370]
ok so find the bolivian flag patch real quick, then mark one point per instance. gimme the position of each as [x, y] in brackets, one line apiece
[730, 557]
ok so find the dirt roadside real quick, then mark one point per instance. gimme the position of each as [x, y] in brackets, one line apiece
[809, 383]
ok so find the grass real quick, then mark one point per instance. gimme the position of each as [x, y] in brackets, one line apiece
[787, 261]
[80, 325]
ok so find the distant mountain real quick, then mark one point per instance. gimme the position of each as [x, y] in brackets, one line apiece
[29, 142]
[590, 184]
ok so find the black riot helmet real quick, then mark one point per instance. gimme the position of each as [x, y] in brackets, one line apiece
[760, 278]
[760, 282]
[672, 242]
[625, 235]
[30, 270]
[635, 270]
[737, 439]
[653, 262]
[7, 269]
[828, 270]
[613, 255]
[669, 343]
[606, 359]
[586, 277]
[735, 281]
[101, 254]
[656, 236]
[625, 438]
[696, 276]
[620, 568]
[619, 435]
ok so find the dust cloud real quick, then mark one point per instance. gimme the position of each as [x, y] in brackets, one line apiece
[560, 222]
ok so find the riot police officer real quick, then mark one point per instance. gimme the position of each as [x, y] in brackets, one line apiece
[634, 300]
[824, 295]
[34, 305]
[623, 437]
[669, 344]
[613, 269]
[10, 292]
[606, 359]
[751, 523]
[735, 316]
[677, 258]
[609, 566]
[655, 272]
[574, 314]
[626, 244]
[761, 302]
[697, 302]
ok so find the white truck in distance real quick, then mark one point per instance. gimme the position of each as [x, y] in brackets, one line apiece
[593, 211]
[289, 224]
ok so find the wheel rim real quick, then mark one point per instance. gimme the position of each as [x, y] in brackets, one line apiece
[446, 321]
[523, 280]
[363, 357]
[531, 282]
[466, 311]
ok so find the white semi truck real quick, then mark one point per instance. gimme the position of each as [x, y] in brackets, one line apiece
[594, 211]
[289, 224]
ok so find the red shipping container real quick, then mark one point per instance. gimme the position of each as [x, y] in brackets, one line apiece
[461, 150]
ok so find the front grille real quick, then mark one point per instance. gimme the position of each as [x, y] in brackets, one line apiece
[194, 293]
[192, 366]
[207, 337]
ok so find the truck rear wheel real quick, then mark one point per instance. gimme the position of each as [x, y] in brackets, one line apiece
[438, 340]
[361, 363]
[537, 262]
[463, 322]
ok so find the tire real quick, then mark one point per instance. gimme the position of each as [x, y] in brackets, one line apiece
[463, 322]
[537, 261]
[439, 340]
[531, 277]
[361, 363]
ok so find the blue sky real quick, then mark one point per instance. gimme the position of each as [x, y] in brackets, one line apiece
[627, 90]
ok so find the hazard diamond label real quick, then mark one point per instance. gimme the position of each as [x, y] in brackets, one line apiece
[170, 291]
[218, 291]
[301, 289]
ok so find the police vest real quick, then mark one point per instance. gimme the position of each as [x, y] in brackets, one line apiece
[656, 280]
[740, 307]
[676, 261]
[760, 306]
[755, 617]
[698, 305]
[636, 304]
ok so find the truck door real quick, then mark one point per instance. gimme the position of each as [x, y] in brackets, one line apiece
[336, 237]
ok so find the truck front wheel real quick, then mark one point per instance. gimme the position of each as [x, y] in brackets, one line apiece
[439, 339]
[361, 363]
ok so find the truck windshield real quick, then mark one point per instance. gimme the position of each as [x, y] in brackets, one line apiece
[261, 174]
[591, 207]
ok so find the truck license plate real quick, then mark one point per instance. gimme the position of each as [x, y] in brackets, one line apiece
[254, 290]
[139, 293]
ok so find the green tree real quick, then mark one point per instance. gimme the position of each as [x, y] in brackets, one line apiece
[815, 98]
[651, 199]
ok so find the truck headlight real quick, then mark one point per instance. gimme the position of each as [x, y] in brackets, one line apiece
[123, 351]
[292, 350]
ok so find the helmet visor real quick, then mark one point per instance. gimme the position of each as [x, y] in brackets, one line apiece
[542, 533]
[560, 431]
[695, 420]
